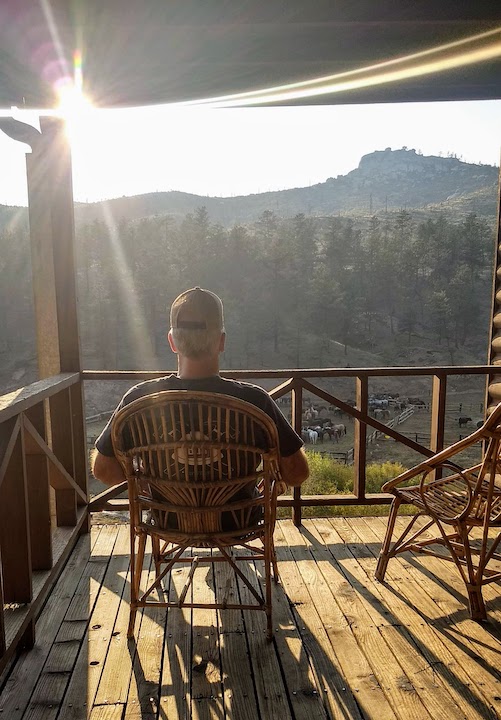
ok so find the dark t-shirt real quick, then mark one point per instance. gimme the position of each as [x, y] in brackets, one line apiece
[289, 440]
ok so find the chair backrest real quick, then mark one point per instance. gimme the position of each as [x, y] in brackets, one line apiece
[487, 490]
[194, 459]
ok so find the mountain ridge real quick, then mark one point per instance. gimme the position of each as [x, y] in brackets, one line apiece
[385, 180]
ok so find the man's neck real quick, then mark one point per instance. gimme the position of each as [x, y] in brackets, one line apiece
[190, 369]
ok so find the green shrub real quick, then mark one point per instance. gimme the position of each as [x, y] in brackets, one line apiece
[329, 477]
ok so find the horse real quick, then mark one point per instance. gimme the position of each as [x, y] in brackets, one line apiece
[464, 421]
[339, 429]
[312, 436]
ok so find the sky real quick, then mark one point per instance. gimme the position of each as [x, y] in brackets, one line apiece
[238, 151]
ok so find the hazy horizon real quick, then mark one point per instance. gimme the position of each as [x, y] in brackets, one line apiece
[240, 152]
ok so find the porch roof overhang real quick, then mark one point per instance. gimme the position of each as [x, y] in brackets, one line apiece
[157, 52]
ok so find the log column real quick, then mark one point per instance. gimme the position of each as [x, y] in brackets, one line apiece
[493, 393]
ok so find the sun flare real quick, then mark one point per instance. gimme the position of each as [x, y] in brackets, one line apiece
[75, 108]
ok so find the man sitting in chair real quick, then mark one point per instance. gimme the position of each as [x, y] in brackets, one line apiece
[197, 336]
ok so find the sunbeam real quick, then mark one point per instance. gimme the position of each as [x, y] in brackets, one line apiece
[137, 326]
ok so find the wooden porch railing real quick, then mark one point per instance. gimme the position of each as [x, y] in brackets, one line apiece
[43, 499]
[298, 382]
[43, 475]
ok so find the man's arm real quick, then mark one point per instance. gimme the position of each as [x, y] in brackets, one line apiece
[294, 468]
[107, 469]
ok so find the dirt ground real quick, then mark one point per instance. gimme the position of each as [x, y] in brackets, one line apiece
[468, 403]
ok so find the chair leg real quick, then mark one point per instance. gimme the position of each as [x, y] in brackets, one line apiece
[155, 546]
[276, 574]
[474, 575]
[135, 579]
[269, 618]
[476, 602]
[384, 555]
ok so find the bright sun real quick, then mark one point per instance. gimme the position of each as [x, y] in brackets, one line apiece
[76, 110]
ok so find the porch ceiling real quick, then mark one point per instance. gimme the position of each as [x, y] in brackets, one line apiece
[156, 51]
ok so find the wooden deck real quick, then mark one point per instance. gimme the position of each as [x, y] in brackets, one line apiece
[345, 646]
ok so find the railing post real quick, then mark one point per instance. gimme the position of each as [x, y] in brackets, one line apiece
[14, 528]
[438, 399]
[3, 643]
[493, 382]
[62, 446]
[360, 438]
[437, 427]
[37, 477]
[297, 418]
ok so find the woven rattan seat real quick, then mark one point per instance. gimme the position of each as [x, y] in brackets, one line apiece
[202, 472]
[455, 500]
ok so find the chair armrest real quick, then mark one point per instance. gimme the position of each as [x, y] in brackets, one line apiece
[425, 467]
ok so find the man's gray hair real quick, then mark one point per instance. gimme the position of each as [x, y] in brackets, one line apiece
[196, 344]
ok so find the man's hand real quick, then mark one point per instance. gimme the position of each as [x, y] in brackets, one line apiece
[107, 469]
[294, 469]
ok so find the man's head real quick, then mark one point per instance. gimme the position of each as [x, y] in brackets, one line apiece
[197, 324]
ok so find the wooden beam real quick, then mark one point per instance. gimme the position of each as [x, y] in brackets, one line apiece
[99, 501]
[79, 441]
[302, 373]
[37, 478]
[493, 384]
[9, 432]
[20, 400]
[62, 446]
[60, 478]
[297, 419]
[360, 438]
[44, 289]
[58, 166]
[438, 399]
[3, 643]
[14, 529]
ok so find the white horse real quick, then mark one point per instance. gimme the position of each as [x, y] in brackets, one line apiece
[312, 436]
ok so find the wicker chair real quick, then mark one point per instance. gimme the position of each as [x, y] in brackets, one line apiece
[202, 472]
[456, 500]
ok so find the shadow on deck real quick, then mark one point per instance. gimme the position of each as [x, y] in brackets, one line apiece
[345, 646]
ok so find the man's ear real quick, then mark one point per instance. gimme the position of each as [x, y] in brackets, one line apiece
[171, 342]
[222, 342]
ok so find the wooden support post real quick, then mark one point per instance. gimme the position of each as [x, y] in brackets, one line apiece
[28, 639]
[3, 644]
[52, 229]
[437, 428]
[44, 288]
[37, 478]
[438, 398]
[14, 529]
[297, 417]
[62, 446]
[63, 242]
[493, 384]
[360, 439]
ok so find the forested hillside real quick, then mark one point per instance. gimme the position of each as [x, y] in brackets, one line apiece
[299, 292]
[387, 287]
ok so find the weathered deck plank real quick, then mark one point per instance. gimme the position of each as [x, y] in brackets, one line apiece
[414, 607]
[345, 646]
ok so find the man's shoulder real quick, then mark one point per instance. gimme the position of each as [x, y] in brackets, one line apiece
[245, 391]
[148, 387]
